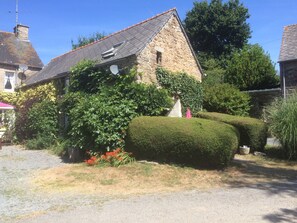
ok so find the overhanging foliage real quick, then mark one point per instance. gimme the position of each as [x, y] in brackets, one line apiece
[186, 87]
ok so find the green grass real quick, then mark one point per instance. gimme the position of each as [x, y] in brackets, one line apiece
[107, 181]
[147, 170]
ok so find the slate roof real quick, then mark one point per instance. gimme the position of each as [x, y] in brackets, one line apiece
[132, 39]
[14, 51]
[289, 44]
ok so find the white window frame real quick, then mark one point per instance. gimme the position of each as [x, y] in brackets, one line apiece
[11, 79]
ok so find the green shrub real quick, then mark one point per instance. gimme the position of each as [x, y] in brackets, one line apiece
[282, 116]
[39, 142]
[100, 105]
[274, 152]
[225, 98]
[150, 100]
[88, 78]
[253, 132]
[97, 122]
[25, 100]
[22, 122]
[187, 87]
[193, 141]
[43, 118]
[59, 147]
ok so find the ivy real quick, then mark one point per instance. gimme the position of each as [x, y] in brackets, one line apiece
[88, 78]
[100, 122]
[186, 87]
[101, 105]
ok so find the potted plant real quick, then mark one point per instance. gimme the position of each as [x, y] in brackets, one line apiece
[244, 150]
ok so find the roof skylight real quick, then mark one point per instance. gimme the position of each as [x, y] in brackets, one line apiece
[112, 51]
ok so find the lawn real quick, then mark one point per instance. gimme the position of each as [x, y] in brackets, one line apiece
[143, 178]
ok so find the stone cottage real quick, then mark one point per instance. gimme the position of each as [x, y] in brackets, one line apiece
[288, 60]
[18, 58]
[158, 41]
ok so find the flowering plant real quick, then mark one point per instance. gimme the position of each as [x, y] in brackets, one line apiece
[114, 158]
[92, 161]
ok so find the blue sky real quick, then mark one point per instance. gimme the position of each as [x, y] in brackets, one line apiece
[54, 23]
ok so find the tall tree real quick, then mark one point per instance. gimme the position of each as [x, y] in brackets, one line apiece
[217, 28]
[82, 40]
[251, 68]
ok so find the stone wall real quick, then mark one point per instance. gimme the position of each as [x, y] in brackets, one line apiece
[12, 68]
[260, 99]
[175, 52]
[125, 64]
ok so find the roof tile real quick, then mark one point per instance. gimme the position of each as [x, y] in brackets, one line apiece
[289, 44]
[143, 31]
[14, 51]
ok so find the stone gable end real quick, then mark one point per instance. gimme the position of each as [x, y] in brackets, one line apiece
[169, 49]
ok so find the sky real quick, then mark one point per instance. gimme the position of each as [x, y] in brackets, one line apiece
[54, 23]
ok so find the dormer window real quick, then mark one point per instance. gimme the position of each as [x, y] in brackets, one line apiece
[9, 81]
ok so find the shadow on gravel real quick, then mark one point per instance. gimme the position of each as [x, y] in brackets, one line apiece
[272, 179]
[284, 215]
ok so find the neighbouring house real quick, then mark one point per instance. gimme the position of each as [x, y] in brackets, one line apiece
[18, 58]
[288, 60]
[158, 41]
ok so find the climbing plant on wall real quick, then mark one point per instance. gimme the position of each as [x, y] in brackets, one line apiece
[106, 105]
[186, 87]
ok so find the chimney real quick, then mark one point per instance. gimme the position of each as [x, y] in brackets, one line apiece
[22, 32]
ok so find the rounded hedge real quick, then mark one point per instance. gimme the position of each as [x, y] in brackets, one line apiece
[195, 142]
[253, 132]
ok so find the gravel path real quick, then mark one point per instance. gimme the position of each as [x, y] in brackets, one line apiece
[275, 201]
[18, 201]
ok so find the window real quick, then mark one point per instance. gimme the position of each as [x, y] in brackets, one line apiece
[9, 81]
[159, 58]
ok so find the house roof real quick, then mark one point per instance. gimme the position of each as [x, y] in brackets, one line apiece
[126, 43]
[14, 51]
[289, 44]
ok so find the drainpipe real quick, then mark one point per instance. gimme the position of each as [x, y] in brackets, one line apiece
[284, 84]
[282, 68]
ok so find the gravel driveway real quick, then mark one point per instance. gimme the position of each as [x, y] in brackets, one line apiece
[275, 201]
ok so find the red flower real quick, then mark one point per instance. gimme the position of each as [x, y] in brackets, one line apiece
[110, 153]
[118, 150]
[92, 161]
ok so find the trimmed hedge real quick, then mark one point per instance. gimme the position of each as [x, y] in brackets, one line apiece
[253, 132]
[194, 142]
